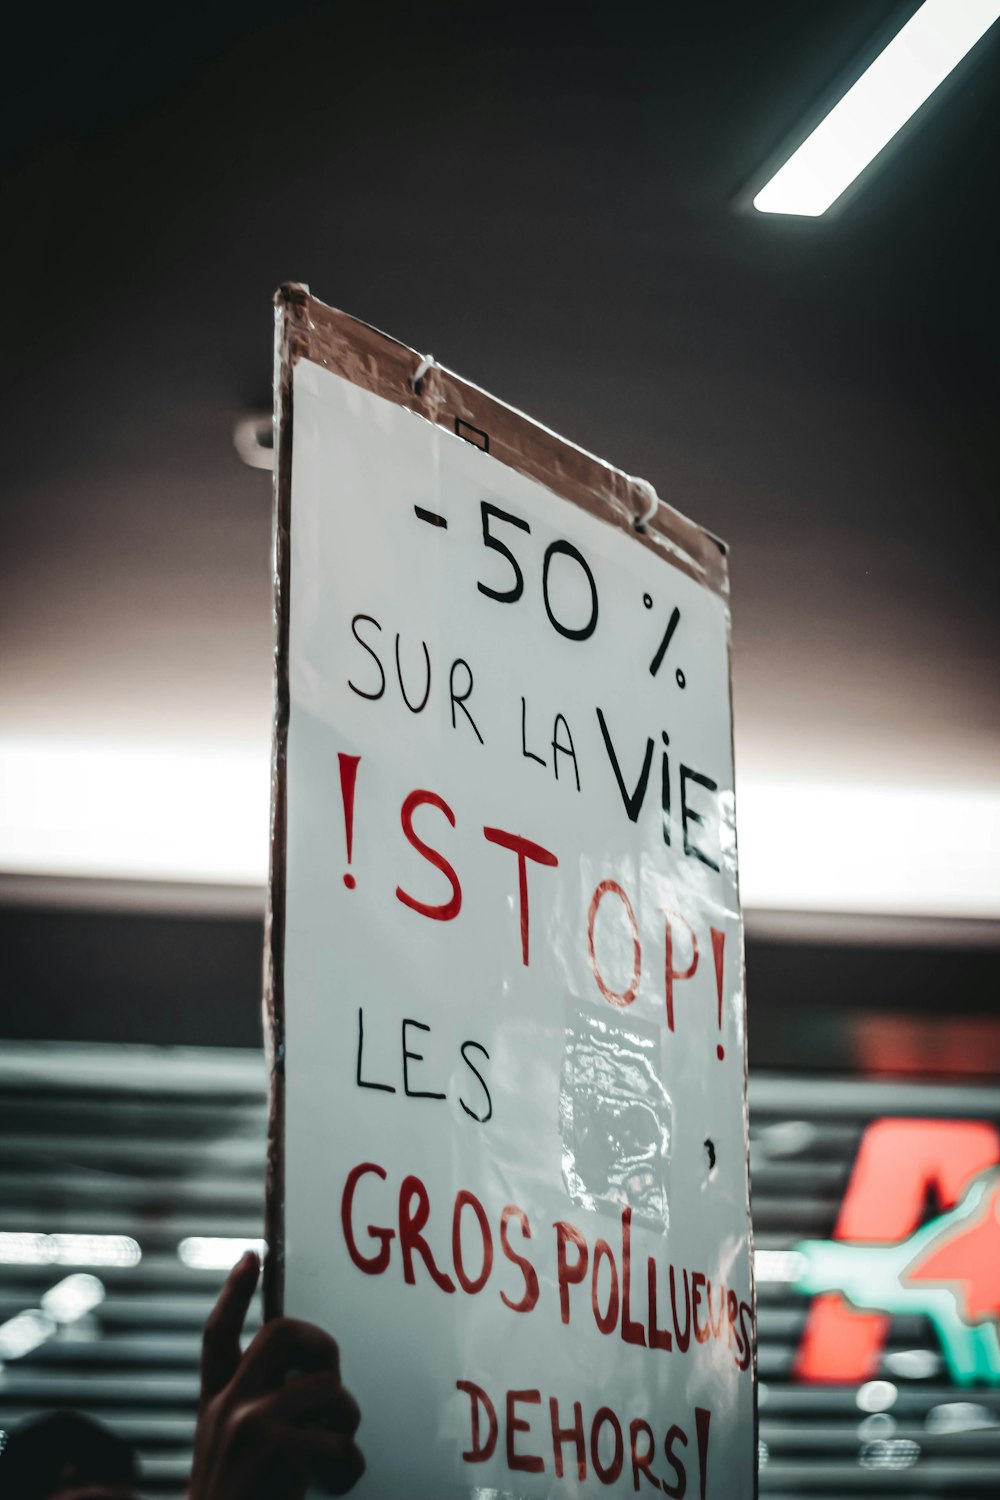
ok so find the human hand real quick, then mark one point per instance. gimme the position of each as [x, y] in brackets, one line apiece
[276, 1416]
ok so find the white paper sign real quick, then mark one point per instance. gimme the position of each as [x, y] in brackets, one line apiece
[514, 1120]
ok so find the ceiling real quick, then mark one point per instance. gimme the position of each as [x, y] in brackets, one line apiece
[545, 197]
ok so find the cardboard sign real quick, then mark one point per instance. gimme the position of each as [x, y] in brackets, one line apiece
[509, 1148]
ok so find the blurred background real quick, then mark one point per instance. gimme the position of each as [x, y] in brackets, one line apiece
[555, 199]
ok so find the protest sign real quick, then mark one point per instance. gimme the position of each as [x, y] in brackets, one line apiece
[508, 1164]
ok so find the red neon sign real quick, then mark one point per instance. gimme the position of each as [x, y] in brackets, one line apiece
[900, 1164]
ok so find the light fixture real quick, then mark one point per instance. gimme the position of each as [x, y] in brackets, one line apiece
[200, 816]
[215, 1252]
[73, 1298]
[876, 1395]
[25, 1332]
[917, 851]
[902, 77]
[135, 811]
[783, 1266]
[29, 1248]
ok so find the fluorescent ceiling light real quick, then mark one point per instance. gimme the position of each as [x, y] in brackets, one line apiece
[783, 1266]
[134, 812]
[215, 1253]
[33, 1249]
[73, 1298]
[24, 1333]
[900, 79]
[865, 848]
[160, 814]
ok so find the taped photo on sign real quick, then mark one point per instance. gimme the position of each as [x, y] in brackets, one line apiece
[615, 1118]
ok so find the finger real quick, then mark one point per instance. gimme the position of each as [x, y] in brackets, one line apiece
[335, 1459]
[281, 1346]
[319, 1396]
[220, 1347]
